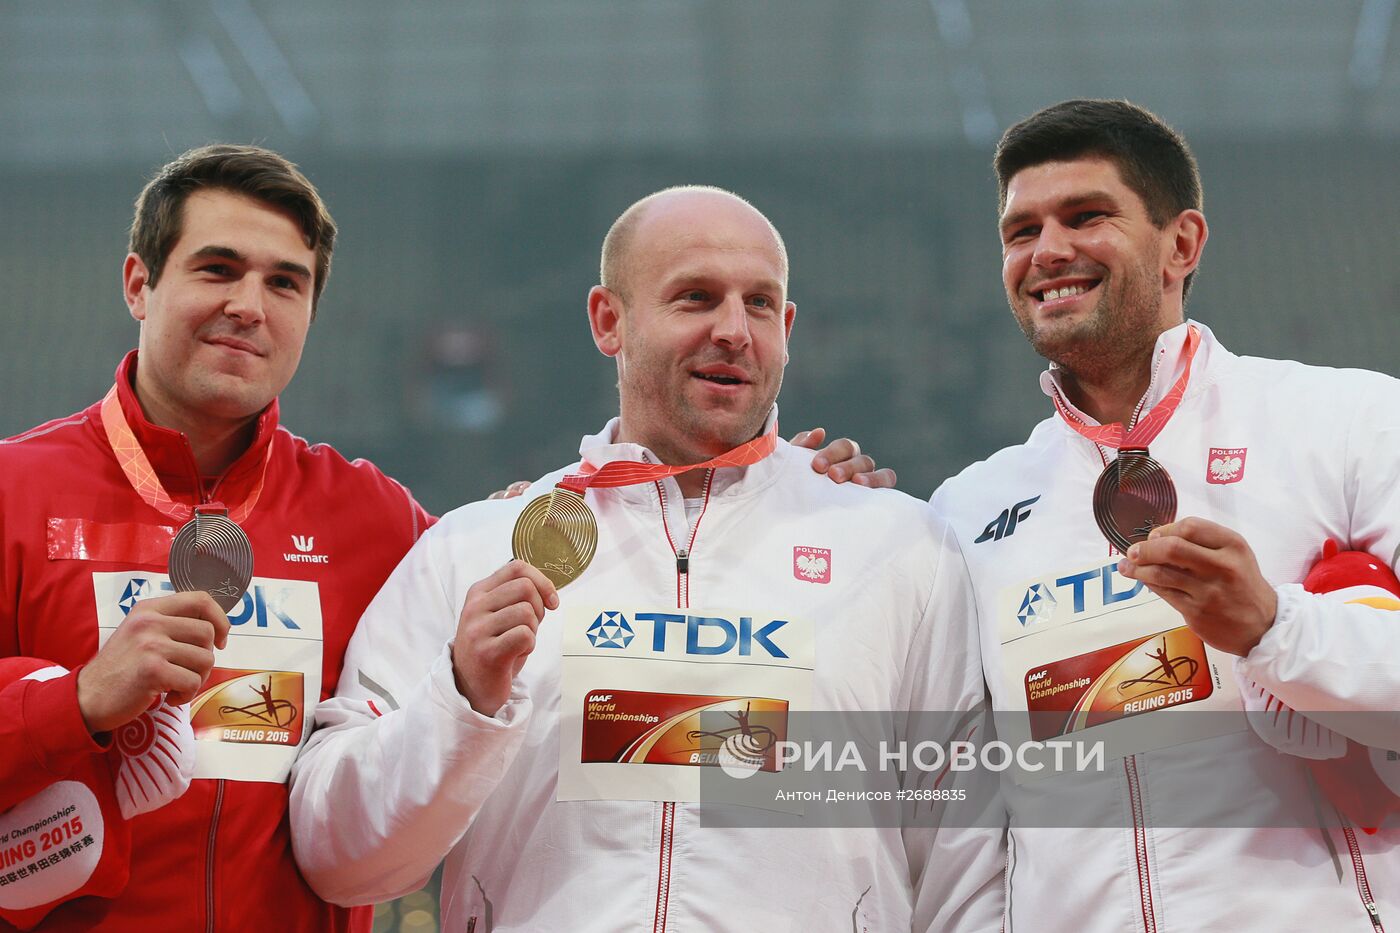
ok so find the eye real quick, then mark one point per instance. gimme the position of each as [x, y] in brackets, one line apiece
[1083, 217]
[216, 268]
[694, 295]
[285, 282]
[1017, 234]
[761, 301]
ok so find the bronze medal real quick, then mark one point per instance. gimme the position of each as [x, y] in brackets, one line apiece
[211, 553]
[1134, 494]
[558, 534]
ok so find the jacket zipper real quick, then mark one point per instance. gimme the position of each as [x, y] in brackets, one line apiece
[1140, 851]
[668, 808]
[1363, 886]
[209, 859]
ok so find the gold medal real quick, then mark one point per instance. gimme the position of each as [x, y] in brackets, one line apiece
[558, 534]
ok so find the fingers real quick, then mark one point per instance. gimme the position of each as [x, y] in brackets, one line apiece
[186, 659]
[511, 491]
[842, 461]
[193, 605]
[809, 439]
[852, 467]
[840, 451]
[519, 570]
[1160, 578]
[1199, 531]
[496, 632]
[883, 478]
[1173, 551]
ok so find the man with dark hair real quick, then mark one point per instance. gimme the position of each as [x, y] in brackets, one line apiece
[1097, 603]
[230, 250]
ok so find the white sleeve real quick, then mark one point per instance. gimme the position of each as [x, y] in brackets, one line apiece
[1332, 658]
[957, 870]
[399, 763]
[1335, 660]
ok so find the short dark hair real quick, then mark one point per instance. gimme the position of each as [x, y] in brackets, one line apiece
[248, 170]
[1152, 158]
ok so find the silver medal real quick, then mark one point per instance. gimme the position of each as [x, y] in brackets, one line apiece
[211, 553]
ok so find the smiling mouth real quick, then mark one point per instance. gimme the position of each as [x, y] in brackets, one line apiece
[1047, 295]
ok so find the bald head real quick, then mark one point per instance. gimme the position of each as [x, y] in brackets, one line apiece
[619, 246]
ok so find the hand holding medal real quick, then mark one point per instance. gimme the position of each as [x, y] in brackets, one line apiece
[1209, 574]
[496, 632]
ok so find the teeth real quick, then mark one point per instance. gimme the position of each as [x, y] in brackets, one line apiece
[1052, 293]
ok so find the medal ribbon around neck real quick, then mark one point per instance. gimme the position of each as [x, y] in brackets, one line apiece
[557, 532]
[210, 552]
[1147, 428]
[142, 476]
[1135, 494]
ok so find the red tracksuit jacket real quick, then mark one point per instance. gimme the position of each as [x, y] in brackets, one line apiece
[78, 546]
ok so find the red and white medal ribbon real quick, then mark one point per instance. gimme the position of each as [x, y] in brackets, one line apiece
[632, 472]
[1147, 428]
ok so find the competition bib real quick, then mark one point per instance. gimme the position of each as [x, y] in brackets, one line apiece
[1090, 651]
[649, 696]
[255, 710]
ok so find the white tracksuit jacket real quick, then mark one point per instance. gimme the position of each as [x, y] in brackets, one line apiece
[1321, 458]
[379, 801]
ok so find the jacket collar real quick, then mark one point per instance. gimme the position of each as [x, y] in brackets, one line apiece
[1168, 360]
[602, 448]
[170, 453]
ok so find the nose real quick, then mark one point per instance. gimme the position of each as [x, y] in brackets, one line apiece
[1053, 246]
[245, 300]
[731, 326]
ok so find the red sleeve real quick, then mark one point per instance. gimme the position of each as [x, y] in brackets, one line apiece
[42, 736]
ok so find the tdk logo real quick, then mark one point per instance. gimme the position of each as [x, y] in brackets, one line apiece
[703, 635]
[255, 607]
[610, 630]
[1097, 586]
[1080, 582]
[1004, 525]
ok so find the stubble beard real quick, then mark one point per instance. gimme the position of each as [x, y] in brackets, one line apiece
[676, 430]
[1117, 331]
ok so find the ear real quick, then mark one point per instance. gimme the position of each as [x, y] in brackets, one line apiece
[605, 320]
[134, 279]
[1185, 242]
[789, 316]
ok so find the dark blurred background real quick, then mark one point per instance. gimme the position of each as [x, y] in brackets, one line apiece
[474, 154]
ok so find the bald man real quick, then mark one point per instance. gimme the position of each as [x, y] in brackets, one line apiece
[538, 722]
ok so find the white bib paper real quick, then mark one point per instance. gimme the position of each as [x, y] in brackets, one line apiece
[1090, 651]
[650, 695]
[256, 708]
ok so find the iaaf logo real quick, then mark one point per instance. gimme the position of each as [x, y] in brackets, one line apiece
[704, 635]
[255, 607]
[304, 543]
[1100, 584]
